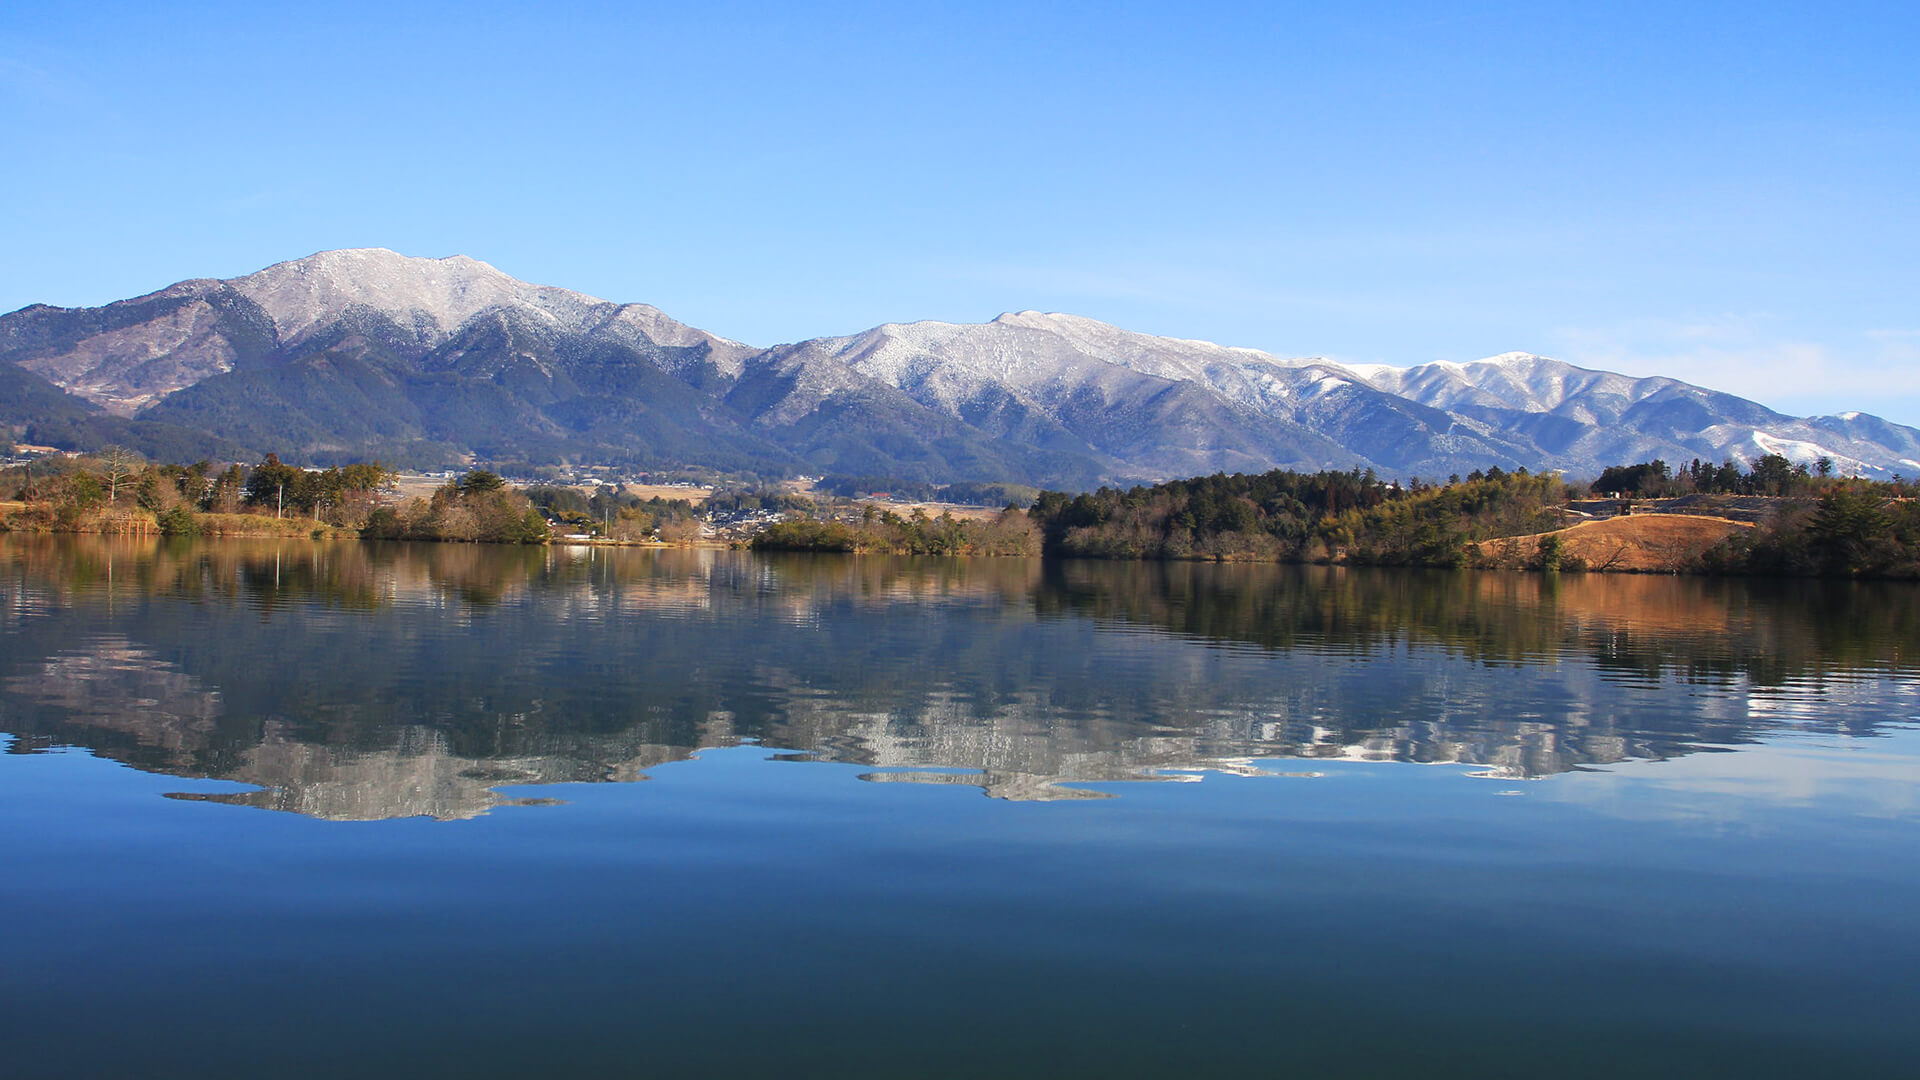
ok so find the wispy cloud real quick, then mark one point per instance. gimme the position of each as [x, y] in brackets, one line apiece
[43, 86]
[1750, 355]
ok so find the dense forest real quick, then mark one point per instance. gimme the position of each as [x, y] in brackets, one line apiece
[1771, 474]
[1299, 517]
[1810, 523]
[1010, 533]
[1851, 530]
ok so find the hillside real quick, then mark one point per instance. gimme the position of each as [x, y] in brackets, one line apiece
[1637, 543]
[350, 355]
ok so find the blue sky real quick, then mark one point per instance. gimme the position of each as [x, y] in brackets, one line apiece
[1724, 193]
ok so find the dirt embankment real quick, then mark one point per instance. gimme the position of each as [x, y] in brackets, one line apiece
[1639, 543]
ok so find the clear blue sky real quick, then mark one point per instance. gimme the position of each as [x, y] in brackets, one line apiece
[1726, 193]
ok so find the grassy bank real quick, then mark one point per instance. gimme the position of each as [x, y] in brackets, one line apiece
[40, 517]
[261, 525]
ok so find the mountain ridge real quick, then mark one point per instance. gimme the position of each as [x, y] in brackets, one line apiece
[366, 352]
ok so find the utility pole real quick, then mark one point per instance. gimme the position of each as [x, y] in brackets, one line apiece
[280, 501]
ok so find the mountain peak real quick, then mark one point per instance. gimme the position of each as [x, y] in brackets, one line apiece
[1516, 360]
[377, 255]
[1035, 318]
[376, 266]
[433, 295]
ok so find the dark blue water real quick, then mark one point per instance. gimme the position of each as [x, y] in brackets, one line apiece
[441, 810]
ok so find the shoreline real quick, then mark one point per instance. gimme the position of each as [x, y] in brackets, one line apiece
[1642, 544]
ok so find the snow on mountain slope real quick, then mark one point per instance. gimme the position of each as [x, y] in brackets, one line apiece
[435, 297]
[1044, 359]
[1519, 381]
[1050, 386]
[133, 353]
[1619, 418]
[1159, 404]
[438, 294]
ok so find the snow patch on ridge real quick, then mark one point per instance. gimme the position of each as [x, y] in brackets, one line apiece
[306, 293]
[1795, 450]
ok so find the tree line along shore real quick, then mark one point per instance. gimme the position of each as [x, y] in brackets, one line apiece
[1769, 517]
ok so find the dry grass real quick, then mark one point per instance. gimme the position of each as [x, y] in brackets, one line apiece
[1641, 543]
[934, 510]
[42, 517]
[410, 487]
[694, 495]
[266, 525]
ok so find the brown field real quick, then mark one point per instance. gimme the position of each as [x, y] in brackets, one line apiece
[411, 486]
[408, 487]
[1643, 543]
[934, 510]
[694, 495]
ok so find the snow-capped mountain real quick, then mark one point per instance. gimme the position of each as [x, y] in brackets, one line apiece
[1156, 406]
[1592, 418]
[428, 361]
[133, 353]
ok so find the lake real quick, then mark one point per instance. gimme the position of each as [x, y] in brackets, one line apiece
[290, 809]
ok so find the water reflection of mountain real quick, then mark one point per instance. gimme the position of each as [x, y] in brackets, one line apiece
[366, 681]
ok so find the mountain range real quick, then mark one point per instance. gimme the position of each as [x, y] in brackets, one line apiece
[349, 355]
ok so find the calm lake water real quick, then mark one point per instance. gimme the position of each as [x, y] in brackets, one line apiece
[299, 810]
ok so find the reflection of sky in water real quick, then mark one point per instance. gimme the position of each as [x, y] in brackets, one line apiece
[1871, 778]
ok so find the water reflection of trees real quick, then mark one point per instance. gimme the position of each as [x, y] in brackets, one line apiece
[357, 680]
[1771, 632]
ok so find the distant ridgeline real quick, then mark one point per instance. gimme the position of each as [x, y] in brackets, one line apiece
[349, 356]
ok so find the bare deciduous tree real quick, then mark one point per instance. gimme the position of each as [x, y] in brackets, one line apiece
[117, 464]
